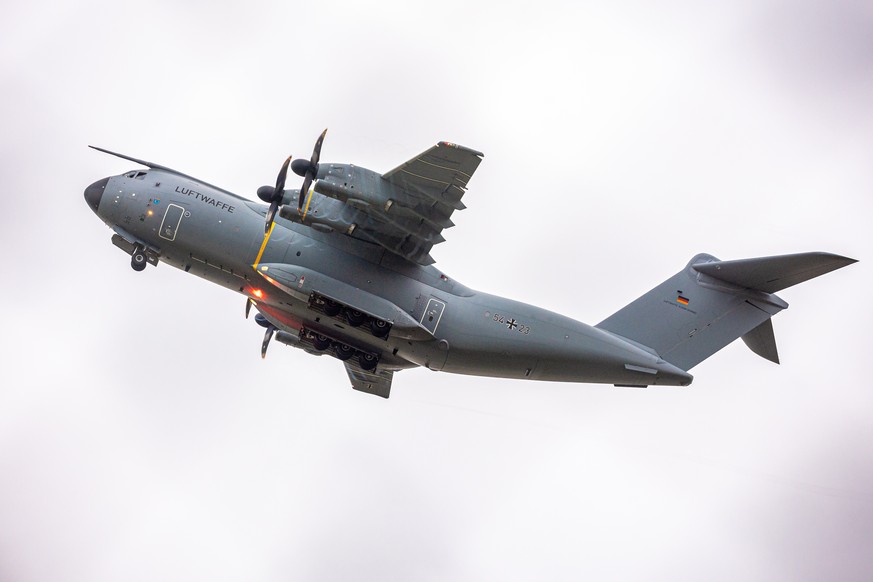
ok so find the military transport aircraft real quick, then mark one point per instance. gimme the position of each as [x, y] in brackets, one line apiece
[342, 267]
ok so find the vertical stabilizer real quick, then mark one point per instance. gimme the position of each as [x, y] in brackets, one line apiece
[710, 303]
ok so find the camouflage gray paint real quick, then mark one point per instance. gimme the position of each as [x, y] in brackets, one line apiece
[349, 275]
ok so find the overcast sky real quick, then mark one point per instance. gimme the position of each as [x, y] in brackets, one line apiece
[143, 438]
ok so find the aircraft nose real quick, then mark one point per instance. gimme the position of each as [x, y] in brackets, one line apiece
[94, 192]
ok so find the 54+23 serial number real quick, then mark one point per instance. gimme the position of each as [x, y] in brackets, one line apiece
[511, 324]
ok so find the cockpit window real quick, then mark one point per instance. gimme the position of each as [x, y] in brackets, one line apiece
[136, 174]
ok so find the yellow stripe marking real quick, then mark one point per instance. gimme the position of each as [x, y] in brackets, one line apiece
[309, 198]
[264, 246]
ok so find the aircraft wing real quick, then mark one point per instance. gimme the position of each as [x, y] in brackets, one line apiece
[425, 191]
[378, 383]
[404, 210]
[437, 178]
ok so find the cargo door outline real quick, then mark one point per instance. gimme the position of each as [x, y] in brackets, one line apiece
[432, 315]
[171, 221]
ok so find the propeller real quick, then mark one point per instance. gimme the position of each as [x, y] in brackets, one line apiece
[308, 169]
[263, 322]
[273, 195]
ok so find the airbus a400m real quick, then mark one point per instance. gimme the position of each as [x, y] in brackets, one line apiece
[342, 267]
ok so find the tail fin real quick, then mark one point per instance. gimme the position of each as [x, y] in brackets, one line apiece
[710, 303]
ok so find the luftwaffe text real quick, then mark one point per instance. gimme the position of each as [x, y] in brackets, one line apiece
[206, 199]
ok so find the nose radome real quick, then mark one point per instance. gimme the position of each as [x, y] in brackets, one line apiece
[94, 192]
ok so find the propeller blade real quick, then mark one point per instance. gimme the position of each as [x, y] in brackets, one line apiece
[248, 307]
[264, 322]
[271, 215]
[280, 179]
[274, 195]
[307, 181]
[267, 337]
[316, 152]
[311, 171]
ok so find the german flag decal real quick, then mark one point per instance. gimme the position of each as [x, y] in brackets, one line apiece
[682, 300]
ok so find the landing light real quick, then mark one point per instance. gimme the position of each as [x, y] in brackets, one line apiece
[258, 293]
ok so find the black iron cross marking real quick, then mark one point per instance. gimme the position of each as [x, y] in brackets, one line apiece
[512, 324]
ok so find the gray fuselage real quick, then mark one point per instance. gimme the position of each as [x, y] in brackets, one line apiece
[438, 323]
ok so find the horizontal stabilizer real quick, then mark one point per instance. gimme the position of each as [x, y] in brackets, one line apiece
[762, 341]
[772, 274]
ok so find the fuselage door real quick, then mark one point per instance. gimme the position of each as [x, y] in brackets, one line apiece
[430, 319]
[170, 224]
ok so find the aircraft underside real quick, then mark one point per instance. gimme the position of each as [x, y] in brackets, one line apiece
[348, 274]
